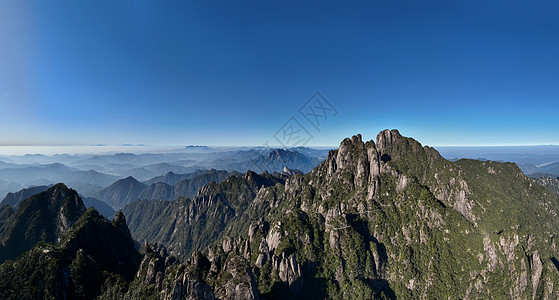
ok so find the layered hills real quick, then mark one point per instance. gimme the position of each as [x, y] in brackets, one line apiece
[91, 173]
[168, 187]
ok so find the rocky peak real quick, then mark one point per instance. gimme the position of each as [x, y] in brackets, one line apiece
[290, 172]
[387, 138]
[348, 150]
[130, 179]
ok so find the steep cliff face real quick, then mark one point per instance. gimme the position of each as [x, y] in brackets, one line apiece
[42, 217]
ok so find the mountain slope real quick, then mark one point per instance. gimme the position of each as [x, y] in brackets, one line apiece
[95, 255]
[189, 187]
[184, 188]
[189, 225]
[13, 200]
[121, 192]
[42, 217]
[160, 191]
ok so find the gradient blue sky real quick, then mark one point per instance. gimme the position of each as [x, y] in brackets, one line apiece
[232, 72]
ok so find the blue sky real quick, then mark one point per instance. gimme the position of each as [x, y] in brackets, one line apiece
[234, 72]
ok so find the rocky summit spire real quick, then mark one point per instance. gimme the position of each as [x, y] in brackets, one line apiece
[387, 138]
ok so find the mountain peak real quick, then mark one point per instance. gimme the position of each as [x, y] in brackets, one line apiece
[387, 138]
[45, 216]
[130, 178]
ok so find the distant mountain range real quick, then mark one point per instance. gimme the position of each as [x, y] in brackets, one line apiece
[172, 178]
[531, 159]
[543, 170]
[271, 160]
[92, 173]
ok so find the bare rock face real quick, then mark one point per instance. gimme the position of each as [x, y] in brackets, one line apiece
[387, 138]
[154, 264]
[188, 288]
[242, 284]
[290, 272]
[184, 281]
[195, 289]
[227, 244]
[537, 268]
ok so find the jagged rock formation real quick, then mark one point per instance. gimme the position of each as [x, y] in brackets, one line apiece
[186, 225]
[289, 172]
[391, 219]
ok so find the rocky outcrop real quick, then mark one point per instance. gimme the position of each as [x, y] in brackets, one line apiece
[551, 183]
[219, 275]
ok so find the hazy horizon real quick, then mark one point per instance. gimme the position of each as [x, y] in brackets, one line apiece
[51, 150]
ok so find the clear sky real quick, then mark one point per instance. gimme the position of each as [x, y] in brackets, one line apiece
[234, 72]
